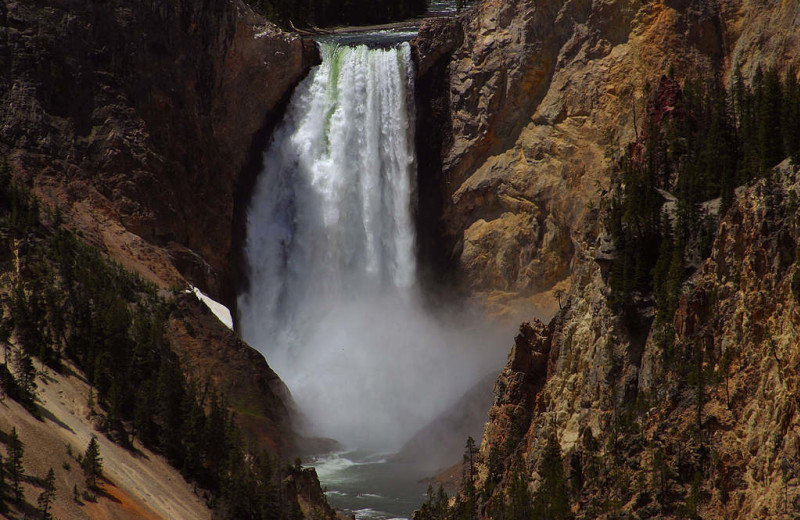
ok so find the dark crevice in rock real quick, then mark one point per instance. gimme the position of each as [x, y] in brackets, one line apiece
[237, 280]
[435, 247]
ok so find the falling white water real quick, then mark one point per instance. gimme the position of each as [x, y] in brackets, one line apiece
[332, 301]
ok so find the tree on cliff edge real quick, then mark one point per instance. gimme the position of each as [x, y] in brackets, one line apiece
[551, 501]
[519, 498]
[14, 467]
[48, 495]
[92, 464]
[465, 507]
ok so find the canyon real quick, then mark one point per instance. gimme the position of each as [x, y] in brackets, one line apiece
[144, 123]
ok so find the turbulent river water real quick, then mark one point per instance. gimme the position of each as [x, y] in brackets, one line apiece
[333, 301]
[370, 485]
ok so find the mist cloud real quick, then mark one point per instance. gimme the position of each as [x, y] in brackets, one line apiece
[333, 302]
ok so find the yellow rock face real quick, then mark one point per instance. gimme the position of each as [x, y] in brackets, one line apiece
[543, 96]
[567, 82]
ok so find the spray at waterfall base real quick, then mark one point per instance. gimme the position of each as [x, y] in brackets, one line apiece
[333, 302]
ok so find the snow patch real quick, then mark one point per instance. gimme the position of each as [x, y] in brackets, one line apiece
[263, 34]
[219, 310]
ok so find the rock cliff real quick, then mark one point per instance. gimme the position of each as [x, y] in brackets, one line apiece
[136, 120]
[709, 428]
[524, 106]
[210, 350]
[530, 105]
[141, 122]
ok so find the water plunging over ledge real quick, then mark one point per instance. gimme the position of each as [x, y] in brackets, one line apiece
[333, 302]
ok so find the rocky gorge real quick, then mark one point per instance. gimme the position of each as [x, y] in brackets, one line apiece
[635, 432]
[537, 102]
[142, 123]
[148, 131]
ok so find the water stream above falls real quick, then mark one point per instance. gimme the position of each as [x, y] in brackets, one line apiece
[333, 302]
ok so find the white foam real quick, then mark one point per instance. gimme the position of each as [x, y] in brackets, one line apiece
[371, 514]
[330, 468]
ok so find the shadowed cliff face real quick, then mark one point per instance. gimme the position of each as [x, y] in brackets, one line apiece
[135, 118]
[210, 350]
[533, 101]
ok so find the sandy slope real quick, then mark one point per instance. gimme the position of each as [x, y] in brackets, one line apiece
[136, 485]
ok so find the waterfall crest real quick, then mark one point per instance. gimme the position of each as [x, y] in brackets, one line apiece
[330, 247]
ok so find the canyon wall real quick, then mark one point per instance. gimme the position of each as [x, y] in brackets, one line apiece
[141, 121]
[529, 106]
[524, 106]
[711, 428]
[135, 119]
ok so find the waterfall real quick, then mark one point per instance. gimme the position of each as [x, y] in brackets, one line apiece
[332, 301]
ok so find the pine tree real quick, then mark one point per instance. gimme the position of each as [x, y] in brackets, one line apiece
[661, 274]
[434, 507]
[551, 501]
[216, 445]
[674, 279]
[14, 467]
[48, 495]
[469, 460]
[170, 386]
[465, 509]
[143, 411]
[519, 498]
[770, 134]
[92, 463]
[26, 377]
[440, 507]
[3, 486]
[192, 410]
[791, 115]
